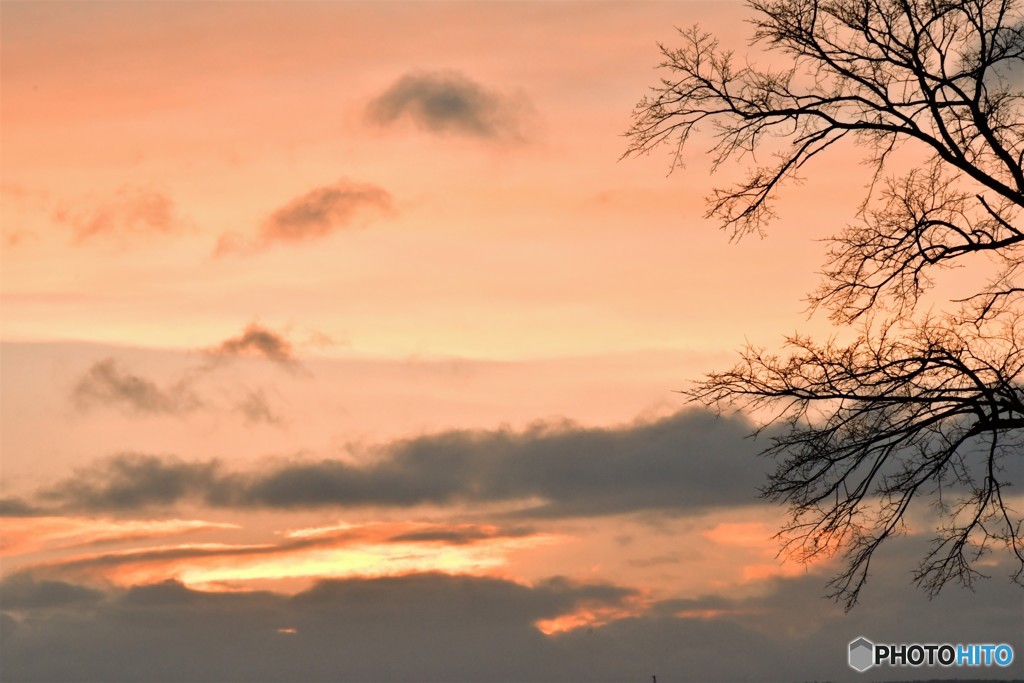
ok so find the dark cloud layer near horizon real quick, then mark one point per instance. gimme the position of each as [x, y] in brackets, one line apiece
[436, 627]
[24, 592]
[420, 628]
[691, 461]
[447, 102]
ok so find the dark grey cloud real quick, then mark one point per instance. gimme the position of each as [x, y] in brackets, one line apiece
[419, 628]
[131, 481]
[433, 627]
[22, 592]
[687, 462]
[461, 535]
[107, 384]
[449, 102]
[13, 506]
[257, 341]
[132, 211]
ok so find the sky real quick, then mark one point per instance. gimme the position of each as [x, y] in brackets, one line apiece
[339, 342]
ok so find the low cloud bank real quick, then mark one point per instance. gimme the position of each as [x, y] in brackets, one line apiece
[436, 627]
[688, 462]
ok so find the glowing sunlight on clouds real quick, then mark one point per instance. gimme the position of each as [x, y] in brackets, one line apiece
[304, 555]
[24, 535]
[338, 342]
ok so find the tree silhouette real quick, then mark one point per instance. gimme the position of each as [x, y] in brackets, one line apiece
[923, 405]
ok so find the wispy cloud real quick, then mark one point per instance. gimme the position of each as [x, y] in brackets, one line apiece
[18, 201]
[107, 384]
[256, 409]
[313, 215]
[462, 534]
[690, 461]
[31, 534]
[448, 102]
[130, 212]
[305, 555]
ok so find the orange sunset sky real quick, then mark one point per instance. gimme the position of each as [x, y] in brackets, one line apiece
[340, 344]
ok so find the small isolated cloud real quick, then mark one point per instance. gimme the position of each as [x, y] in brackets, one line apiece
[314, 215]
[450, 103]
[257, 341]
[322, 340]
[131, 212]
[323, 210]
[106, 384]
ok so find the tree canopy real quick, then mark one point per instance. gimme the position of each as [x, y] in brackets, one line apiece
[927, 402]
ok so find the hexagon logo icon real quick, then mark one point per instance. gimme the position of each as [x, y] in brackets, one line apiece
[862, 654]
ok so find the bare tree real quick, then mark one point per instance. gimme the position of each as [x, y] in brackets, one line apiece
[922, 406]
